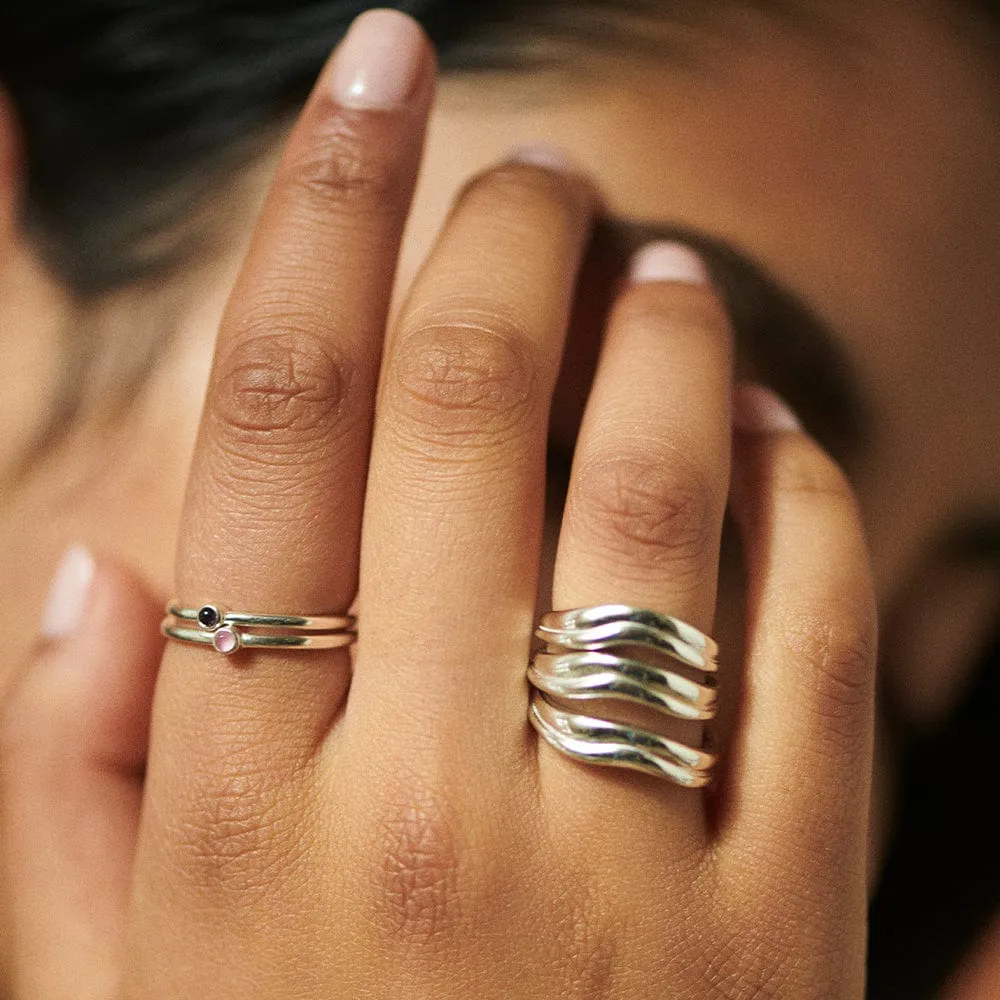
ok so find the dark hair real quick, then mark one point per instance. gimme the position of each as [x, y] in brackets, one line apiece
[134, 111]
[136, 115]
[133, 114]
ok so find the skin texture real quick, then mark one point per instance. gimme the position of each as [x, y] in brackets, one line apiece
[469, 853]
[889, 247]
[901, 126]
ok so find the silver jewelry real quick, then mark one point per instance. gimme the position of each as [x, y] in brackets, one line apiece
[618, 652]
[613, 744]
[229, 631]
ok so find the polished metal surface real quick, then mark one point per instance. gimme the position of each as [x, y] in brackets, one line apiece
[602, 614]
[328, 640]
[614, 744]
[230, 631]
[593, 675]
[634, 627]
[320, 623]
[616, 652]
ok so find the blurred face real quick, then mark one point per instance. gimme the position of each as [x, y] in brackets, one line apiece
[846, 157]
[849, 159]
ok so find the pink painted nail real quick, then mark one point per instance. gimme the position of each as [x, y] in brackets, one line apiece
[378, 64]
[68, 592]
[758, 410]
[668, 261]
[539, 154]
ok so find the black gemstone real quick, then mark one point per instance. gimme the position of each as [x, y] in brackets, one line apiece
[209, 617]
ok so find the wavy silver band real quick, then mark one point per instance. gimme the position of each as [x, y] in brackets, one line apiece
[613, 744]
[616, 652]
[602, 614]
[331, 640]
[593, 675]
[608, 625]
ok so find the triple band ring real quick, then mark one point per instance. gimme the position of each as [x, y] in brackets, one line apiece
[228, 632]
[620, 653]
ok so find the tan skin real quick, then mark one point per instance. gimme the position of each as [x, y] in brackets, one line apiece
[913, 252]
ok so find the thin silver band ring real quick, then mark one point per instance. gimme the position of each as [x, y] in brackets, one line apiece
[328, 640]
[227, 632]
[317, 623]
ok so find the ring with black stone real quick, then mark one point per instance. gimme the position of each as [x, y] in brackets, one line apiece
[229, 631]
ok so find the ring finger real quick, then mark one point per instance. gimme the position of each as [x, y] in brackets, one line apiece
[647, 495]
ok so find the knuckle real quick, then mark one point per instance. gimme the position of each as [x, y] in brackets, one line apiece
[680, 308]
[580, 944]
[416, 878]
[840, 657]
[745, 979]
[345, 162]
[286, 387]
[515, 190]
[805, 474]
[654, 511]
[746, 965]
[234, 831]
[471, 382]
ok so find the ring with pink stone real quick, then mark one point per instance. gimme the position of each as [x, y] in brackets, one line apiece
[229, 631]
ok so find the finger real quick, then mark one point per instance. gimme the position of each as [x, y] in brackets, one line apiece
[650, 476]
[272, 517]
[456, 493]
[978, 977]
[273, 512]
[74, 736]
[799, 786]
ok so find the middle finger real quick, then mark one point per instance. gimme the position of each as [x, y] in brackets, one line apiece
[455, 499]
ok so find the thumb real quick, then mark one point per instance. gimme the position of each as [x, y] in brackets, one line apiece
[73, 735]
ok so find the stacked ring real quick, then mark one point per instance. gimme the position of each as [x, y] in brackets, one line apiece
[614, 651]
[228, 632]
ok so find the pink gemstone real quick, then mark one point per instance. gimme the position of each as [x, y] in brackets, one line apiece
[226, 640]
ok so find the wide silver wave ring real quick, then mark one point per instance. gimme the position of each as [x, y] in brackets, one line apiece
[229, 631]
[620, 653]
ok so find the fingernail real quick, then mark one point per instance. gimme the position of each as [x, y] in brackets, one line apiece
[377, 65]
[758, 410]
[540, 154]
[668, 261]
[68, 592]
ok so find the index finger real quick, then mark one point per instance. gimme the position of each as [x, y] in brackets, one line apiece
[272, 518]
[273, 510]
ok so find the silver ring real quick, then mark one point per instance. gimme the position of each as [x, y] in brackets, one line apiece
[210, 616]
[607, 625]
[619, 652]
[592, 675]
[229, 631]
[613, 744]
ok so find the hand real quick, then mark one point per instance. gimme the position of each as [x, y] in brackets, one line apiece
[392, 827]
